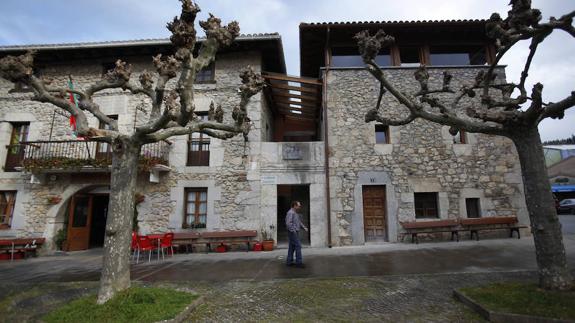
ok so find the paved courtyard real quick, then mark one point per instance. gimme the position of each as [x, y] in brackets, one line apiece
[387, 282]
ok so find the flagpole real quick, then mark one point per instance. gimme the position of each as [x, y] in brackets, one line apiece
[52, 126]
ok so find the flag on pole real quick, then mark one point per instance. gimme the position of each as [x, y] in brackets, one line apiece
[74, 101]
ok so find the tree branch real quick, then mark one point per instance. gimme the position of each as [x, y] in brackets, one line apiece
[557, 110]
[206, 127]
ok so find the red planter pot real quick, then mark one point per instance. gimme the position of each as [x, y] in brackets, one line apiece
[268, 245]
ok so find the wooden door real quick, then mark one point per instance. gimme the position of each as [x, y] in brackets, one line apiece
[79, 223]
[374, 213]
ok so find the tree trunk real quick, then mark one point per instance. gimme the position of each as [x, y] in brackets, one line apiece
[116, 263]
[545, 225]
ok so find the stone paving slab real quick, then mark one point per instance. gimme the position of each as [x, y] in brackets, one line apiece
[410, 298]
[405, 298]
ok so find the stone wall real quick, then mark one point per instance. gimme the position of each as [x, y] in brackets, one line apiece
[421, 157]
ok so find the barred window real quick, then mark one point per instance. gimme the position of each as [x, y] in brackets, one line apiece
[206, 74]
[426, 205]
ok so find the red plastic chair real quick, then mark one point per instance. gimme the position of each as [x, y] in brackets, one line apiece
[166, 242]
[145, 244]
[134, 245]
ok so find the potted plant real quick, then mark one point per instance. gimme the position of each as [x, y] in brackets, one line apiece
[54, 199]
[267, 240]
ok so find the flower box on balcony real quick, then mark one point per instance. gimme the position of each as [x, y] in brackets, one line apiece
[54, 199]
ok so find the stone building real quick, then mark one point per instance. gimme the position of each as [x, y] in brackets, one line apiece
[308, 142]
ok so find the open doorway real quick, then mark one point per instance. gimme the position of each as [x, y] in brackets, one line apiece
[99, 217]
[287, 194]
[87, 216]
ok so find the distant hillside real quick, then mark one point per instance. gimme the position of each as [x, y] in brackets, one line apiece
[568, 141]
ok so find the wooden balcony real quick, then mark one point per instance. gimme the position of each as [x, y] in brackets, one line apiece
[77, 155]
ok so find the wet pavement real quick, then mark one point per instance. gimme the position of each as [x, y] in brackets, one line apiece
[490, 255]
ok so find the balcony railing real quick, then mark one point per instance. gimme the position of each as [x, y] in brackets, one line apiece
[77, 154]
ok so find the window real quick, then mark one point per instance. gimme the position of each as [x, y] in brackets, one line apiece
[460, 137]
[426, 205]
[104, 150]
[458, 55]
[207, 74]
[409, 56]
[473, 209]
[15, 153]
[196, 208]
[7, 200]
[349, 57]
[381, 134]
[199, 147]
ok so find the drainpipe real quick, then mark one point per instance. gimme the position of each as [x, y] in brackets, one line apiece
[326, 137]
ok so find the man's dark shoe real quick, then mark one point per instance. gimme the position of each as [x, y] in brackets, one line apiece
[299, 265]
[291, 264]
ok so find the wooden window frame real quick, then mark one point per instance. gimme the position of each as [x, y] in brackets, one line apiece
[104, 150]
[15, 152]
[200, 157]
[462, 135]
[428, 201]
[385, 131]
[197, 203]
[7, 211]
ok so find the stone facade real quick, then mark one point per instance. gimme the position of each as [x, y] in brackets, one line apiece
[232, 178]
[242, 178]
[421, 157]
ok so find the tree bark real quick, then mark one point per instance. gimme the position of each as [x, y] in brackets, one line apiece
[116, 261]
[545, 225]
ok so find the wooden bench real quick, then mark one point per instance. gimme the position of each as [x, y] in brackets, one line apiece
[228, 237]
[28, 246]
[435, 226]
[491, 223]
[185, 239]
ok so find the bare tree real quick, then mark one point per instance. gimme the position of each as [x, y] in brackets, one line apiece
[172, 114]
[496, 112]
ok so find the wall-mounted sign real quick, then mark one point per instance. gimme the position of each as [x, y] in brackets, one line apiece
[268, 180]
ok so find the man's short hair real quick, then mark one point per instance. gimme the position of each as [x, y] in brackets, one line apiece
[295, 203]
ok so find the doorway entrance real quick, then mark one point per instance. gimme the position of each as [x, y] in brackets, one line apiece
[374, 213]
[287, 194]
[87, 216]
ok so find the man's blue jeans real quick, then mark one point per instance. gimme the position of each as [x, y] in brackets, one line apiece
[294, 246]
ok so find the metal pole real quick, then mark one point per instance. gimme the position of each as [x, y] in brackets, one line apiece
[327, 54]
[52, 126]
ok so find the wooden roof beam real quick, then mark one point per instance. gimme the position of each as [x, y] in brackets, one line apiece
[280, 77]
[294, 88]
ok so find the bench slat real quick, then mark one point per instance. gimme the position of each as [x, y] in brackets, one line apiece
[429, 224]
[490, 220]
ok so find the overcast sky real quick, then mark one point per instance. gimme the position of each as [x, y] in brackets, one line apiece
[60, 21]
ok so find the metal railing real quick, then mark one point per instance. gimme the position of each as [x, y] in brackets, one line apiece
[73, 154]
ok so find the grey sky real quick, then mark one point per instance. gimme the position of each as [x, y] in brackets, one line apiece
[58, 21]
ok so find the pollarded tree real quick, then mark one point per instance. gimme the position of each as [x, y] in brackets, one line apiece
[495, 111]
[171, 114]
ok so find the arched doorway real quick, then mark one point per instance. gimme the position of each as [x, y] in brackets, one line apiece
[86, 219]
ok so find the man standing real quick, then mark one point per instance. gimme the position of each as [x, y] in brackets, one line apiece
[293, 224]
